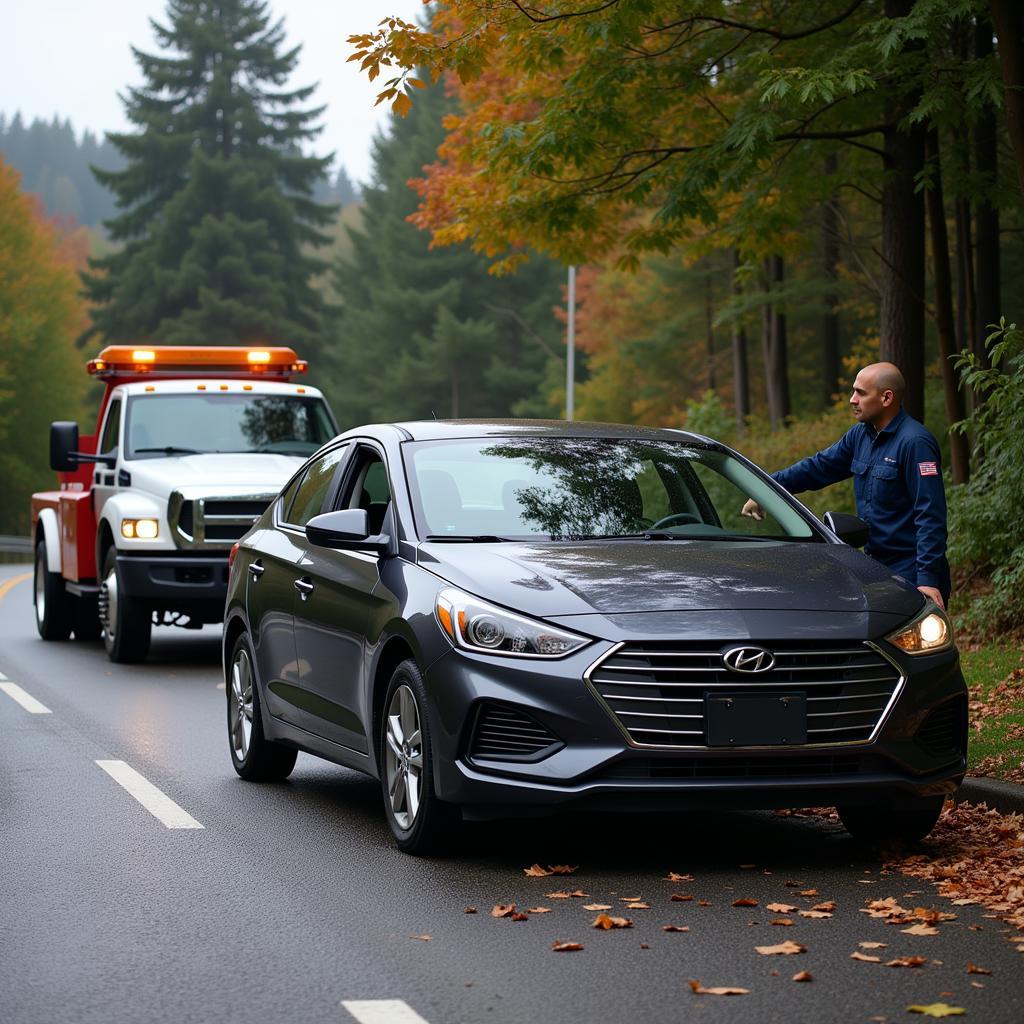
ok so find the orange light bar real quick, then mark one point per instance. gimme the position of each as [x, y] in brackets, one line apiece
[116, 361]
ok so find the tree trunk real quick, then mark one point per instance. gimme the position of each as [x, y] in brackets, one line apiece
[965, 304]
[830, 323]
[959, 456]
[740, 368]
[776, 369]
[1008, 19]
[709, 321]
[986, 216]
[766, 346]
[902, 306]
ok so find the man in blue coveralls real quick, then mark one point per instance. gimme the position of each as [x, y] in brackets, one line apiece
[897, 481]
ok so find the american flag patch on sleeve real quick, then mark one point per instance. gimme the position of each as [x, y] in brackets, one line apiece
[928, 469]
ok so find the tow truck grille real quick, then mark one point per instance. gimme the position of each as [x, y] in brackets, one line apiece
[657, 691]
[214, 522]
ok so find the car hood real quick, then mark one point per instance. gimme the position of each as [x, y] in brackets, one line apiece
[624, 577]
[213, 473]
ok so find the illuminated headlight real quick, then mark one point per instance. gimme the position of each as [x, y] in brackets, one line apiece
[928, 633]
[140, 529]
[475, 625]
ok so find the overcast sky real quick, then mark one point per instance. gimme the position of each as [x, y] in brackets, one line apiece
[72, 58]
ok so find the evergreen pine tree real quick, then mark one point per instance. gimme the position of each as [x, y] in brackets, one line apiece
[216, 214]
[426, 331]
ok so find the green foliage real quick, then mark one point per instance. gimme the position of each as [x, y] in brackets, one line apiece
[43, 378]
[215, 201]
[424, 331]
[986, 524]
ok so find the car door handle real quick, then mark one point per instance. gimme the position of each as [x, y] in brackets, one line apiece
[257, 568]
[304, 587]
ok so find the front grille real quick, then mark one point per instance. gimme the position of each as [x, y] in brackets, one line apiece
[656, 691]
[503, 733]
[213, 522]
[736, 768]
[942, 731]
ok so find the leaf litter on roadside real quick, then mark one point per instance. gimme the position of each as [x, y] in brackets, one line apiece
[698, 989]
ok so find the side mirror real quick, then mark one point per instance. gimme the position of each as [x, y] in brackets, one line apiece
[347, 529]
[849, 529]
[64, 446]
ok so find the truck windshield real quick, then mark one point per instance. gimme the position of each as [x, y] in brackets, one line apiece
[181, 424]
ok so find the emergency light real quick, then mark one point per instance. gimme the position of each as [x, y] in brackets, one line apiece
[124, 362]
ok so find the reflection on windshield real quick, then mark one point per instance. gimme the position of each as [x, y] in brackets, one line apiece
[177, 424]
[580, 488]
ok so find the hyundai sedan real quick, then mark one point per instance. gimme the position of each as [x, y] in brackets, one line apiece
[517, 617]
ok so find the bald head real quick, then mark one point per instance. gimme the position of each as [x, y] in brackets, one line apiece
[878, 394]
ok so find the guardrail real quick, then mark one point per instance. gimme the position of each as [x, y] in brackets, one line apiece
[15, 545]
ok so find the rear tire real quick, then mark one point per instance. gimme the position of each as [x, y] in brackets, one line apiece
[53, 604]
[419, 821]
[127, 627]
[255, 758]
[907, 823]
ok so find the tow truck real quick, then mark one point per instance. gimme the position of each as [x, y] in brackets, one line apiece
[191, 446]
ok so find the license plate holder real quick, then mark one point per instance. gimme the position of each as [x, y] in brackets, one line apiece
[755, 720]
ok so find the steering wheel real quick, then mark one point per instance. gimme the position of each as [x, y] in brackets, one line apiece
[676, 519]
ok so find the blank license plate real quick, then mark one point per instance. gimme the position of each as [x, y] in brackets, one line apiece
[745, 720]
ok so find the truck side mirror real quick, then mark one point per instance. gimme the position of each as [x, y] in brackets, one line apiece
[849, 529]
[64, 446]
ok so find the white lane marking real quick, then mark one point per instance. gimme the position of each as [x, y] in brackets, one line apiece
[382, 1011]
[157, 803]
[26, 700]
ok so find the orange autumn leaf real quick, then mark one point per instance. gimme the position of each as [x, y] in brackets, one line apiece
[677, 897]
[672, 876]
[536, 871]
[744, 902]
[422, 938]
[781, 908]
[785, 922]
[700, 990]
[567, 947]
[867, 959]
[813, 913]
[675, 928]
[538, 910]
[809, 892]
[637, 906]
[563, 869]
[907, 961]
[503, 910]
[470, 910]
[828, 908]
[975, 969]
[782, 949]
[606, 923]
[561, 895]
[920, 929]
[519, 916]
[872, 945]
[597, 906]
[803, 976]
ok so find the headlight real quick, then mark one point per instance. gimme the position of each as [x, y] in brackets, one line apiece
[928, 633]
[143, 529]
[475, 625]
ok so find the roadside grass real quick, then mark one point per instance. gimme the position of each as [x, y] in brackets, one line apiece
[994, 672]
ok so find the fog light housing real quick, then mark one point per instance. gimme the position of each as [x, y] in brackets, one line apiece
[140, 529]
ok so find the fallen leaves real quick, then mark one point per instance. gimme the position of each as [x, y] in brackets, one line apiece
[920, 929]
[536, 871]
[975, 969]
[697, 988]
[781, 908]
[637, 906]
[814, 913]
[803, 976]
[422, 938]
[470, 910]
[872, 945]
[539, 910]
[562, 895]
[672, 876]
[907, 961]
[567, 947]
[606, 923]
[680, 898]
[745, 902]
[868, 959]
[503, 910]
[783, 922]
[938, 1010]
[675, 928]
[782, 949]
[597, 906]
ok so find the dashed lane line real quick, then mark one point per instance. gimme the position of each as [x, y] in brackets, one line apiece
[13, 582]
[26, 700]
[161, 806]
[382, 1011]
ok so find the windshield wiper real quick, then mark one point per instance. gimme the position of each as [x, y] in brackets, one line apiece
[644, 535]
[172, 449]
[457, 538]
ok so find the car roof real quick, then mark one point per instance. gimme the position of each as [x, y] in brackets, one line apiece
[438, 430]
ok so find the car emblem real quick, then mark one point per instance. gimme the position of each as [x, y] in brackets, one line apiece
[748, 659]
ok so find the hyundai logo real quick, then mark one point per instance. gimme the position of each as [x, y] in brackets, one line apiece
[748, 659]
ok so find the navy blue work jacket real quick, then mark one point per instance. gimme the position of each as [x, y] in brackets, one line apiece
[897, 481]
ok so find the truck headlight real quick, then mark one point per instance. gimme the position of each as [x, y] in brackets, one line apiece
[928, 633]
[140, 529]
[475, 625]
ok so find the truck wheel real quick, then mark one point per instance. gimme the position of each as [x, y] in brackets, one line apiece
[87, 619]
[54, 610]
[126, 625]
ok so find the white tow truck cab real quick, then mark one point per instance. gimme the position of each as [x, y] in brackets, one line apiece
[191, 446]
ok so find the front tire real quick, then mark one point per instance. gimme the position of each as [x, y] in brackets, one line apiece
[419, 821]
[255, 758]
[127, 627]
[54, 610]
[907, 823]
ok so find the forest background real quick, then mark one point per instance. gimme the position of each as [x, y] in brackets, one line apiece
[760, 197]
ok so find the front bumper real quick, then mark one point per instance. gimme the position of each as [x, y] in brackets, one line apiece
[195, 584]
[592, 764]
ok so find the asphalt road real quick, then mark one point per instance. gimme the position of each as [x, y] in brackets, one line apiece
[290, 899]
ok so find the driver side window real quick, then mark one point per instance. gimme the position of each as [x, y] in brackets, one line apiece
[368, 488]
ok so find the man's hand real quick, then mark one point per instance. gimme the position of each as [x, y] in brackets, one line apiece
[752, 510]
[930, 592]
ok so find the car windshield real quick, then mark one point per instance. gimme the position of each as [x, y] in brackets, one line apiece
[572, 488]
[180, 424]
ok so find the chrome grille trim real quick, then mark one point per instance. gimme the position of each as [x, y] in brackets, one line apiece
[847, 668]
[201, 518]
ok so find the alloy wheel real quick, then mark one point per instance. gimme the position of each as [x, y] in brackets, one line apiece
[403, 757]
[240, 721]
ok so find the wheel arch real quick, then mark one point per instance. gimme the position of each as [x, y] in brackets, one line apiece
[48, 530]
[104, 542]
[396, 649]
